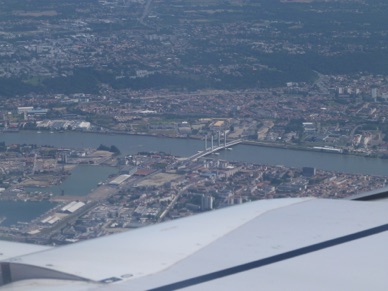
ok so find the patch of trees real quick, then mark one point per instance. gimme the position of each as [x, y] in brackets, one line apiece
[113, 149]
[3, 147]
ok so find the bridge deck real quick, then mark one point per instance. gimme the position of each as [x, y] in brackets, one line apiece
[214, 149]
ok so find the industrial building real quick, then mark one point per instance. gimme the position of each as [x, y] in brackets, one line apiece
[119, 180]
[72, 207]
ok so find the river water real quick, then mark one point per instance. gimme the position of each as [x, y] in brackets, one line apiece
[81, 181]
[132, 144]
[299, 159]
[86, 178]
[127, 144]
[19, 211]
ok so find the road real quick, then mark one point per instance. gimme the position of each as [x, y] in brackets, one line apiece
[145, 12]
[204, 93]
[172, 203]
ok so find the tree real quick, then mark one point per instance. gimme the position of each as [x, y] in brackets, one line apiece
[3, 147]
[103, 148]
[114, 150]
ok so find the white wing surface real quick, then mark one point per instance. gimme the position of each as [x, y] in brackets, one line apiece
[293, 244]
[11, 249]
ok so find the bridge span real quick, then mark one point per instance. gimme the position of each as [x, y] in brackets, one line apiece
[214, 149]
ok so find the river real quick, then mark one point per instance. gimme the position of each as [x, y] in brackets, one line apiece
[18, 211]
[128, 144]
[131, 144]
[81, 181]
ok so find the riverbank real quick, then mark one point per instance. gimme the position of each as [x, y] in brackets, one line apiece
[250, 151]
[323, 149]
[312, 149]
[199, 138]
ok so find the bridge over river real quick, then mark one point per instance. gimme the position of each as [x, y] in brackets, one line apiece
[214, 149]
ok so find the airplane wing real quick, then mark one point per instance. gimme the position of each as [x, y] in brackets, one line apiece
[12, 249]
[293, 244]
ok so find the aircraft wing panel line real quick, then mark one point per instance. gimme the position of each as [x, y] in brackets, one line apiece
[273, 259]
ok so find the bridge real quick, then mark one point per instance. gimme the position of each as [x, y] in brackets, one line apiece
[212, 150]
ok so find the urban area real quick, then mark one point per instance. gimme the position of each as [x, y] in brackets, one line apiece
[149, 188]
[223, 72]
